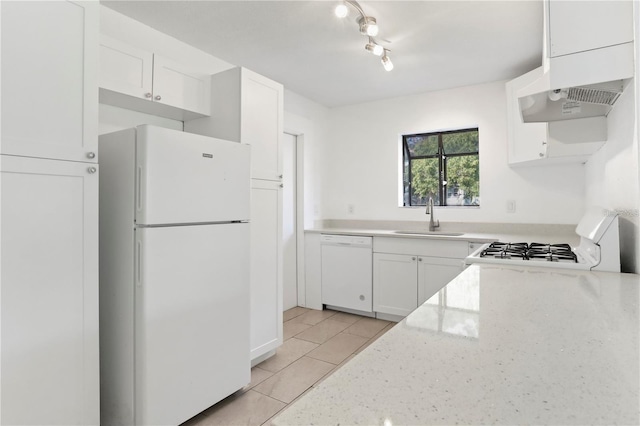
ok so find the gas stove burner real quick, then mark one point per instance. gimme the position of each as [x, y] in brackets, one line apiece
[506, 250]
[551, 252]
[550, 247]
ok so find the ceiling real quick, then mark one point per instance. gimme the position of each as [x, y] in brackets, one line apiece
[434, 44]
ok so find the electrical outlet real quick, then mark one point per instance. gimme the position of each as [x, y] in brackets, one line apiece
[351, 209]
[511, 206]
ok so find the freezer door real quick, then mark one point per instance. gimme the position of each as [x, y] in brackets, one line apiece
[192, 319]
[187, 178]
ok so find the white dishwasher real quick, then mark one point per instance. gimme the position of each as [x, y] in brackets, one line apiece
[347, 265]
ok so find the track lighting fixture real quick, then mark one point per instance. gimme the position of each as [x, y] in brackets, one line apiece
[368, 26]
[386, 62]
[374, 48]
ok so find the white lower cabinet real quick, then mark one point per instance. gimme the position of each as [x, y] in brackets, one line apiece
[49, 293]
[408, 271]
[266, 267]
[434, 273]
[395, 283]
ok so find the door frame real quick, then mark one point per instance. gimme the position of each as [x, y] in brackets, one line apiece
[300, 282]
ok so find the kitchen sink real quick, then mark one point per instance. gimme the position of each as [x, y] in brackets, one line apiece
[443, 234]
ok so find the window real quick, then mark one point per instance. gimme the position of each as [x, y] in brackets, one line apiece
[444, 166]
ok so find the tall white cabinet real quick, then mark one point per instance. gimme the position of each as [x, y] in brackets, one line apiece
[49, 369]
[248, 108]
[49, 88]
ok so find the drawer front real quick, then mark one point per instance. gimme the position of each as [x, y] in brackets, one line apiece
[421, 247]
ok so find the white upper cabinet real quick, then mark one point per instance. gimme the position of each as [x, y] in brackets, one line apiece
[49, 79]
[136, 79]
[178, 86]
[125, 69]
[262, 124]
[578, 26]
[247, 108]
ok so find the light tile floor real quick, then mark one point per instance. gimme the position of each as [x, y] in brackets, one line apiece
[316, 343]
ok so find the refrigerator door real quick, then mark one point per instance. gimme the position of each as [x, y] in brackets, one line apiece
[192, 319]
[187, 178]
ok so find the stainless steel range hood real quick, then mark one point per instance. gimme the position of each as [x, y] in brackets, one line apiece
[580, 85]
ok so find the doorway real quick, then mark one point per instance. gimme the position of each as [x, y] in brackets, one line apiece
[290, 219]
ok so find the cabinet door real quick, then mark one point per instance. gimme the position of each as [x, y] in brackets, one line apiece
[49, 79]
[262, 106]
[125, 69]
[395, 282]
[49, 295]
[526, 141]
[266, 267]
[176, 85]
[434, 273]
[587, 25]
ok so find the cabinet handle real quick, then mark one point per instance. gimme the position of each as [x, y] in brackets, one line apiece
[281, 185]
[413, 258]
[541, 155]
[419, 259]
[158, 97]
[92, 170]
[280, 176]
[362, 297]
[91, 155]
[147, 95]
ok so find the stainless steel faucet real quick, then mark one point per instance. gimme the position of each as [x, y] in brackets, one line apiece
[432, 224]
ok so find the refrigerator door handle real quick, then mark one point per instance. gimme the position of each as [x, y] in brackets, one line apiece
[139, 189]
[138, 263]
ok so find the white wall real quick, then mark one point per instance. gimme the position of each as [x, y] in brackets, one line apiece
[361, 165]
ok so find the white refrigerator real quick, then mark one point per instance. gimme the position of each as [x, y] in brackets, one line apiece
[174, 274]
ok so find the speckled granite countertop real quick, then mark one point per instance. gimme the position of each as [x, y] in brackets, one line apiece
[497, 345]
[472, 232]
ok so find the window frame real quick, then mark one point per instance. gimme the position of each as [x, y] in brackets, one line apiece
[442, 164]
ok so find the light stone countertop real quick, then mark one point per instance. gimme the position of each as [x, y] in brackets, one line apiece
[497, 345]
[472, 232]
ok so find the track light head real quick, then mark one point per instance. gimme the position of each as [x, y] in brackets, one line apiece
[368, 26]
[386, 62]
[374, 48]
[341, 10]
